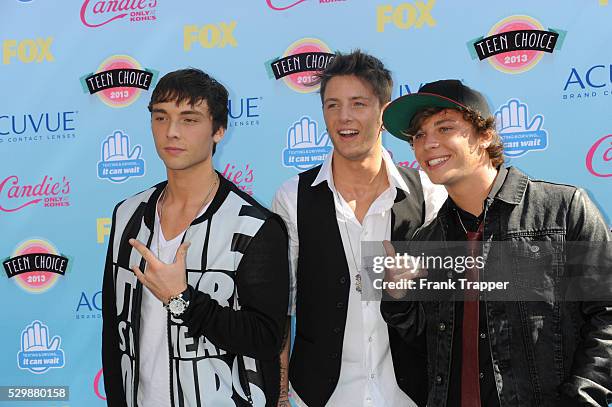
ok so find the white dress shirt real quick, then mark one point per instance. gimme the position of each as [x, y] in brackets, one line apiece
[366, 377]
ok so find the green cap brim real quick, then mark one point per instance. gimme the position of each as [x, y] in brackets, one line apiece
[399, 113]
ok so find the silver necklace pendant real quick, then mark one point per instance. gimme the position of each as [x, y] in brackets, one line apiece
[358, 284]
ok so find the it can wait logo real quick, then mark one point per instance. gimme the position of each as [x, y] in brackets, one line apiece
[39, 352]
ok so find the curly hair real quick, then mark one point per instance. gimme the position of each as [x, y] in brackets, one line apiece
[480, 124]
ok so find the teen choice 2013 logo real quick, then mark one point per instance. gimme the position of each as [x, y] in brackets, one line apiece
[36, 265]
[119, 81]
[516, 44]
[300, 63]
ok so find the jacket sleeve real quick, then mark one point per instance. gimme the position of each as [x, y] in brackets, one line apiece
[406, 317]
[590, 382]
[111, 358]
[262, 282]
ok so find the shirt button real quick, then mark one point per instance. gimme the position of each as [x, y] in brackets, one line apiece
[438, 379]
[372, 376]
[483, 335]
[535, 248]
[336, 330]
[340, 305]
[370, 339]
[342, 280]
[334, 356]
[442, 326]
[481, 375]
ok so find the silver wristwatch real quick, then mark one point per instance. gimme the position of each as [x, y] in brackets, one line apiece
[177, 304]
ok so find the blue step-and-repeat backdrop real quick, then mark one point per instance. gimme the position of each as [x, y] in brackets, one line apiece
[75, 138]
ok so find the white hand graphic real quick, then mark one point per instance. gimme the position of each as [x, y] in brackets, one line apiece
[117, 148]
[303, 134]
[36, 338]
[513, 118]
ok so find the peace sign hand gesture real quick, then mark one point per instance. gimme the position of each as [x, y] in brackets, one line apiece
[163, 280]
[397, 274]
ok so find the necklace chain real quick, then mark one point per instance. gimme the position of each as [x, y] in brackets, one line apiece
[162, 201]
[461, 222]
[358, 282]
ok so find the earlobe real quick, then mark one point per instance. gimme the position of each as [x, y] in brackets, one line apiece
[218, 136]
[382, 126]
[485, 139]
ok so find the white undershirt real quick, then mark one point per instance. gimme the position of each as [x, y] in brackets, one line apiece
[367, 377]
[154, 372]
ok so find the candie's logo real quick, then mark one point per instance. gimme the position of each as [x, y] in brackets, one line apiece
[49, 192]
[599, 157]
[35, 265]
[281, 5]
[99, 383]
[411, 163]
[242, 176]
[118, 81]
[300, 63]
[516, 44]
[101, 12]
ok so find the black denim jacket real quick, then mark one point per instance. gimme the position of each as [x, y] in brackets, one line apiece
[544, 353]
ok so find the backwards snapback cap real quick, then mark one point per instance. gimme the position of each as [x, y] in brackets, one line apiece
[448, 93]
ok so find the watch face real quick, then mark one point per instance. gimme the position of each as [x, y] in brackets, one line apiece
[177, 306]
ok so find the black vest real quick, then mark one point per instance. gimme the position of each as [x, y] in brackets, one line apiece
[323, 284]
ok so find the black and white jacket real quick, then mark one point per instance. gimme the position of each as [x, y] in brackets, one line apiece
[232, 331]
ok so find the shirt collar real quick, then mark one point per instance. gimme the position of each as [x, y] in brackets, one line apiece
[395, 178]
[513, 187]
[498, 183]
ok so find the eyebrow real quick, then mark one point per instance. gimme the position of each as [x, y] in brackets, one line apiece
[351, 98]
[439, 122]
[182, 113]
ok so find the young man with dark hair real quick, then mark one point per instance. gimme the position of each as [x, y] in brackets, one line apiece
[344, 354]
[537, 350]
[199, 319]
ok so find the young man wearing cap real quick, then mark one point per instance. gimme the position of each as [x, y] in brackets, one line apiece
[344, 354]
[499, 353]
[201, 326]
